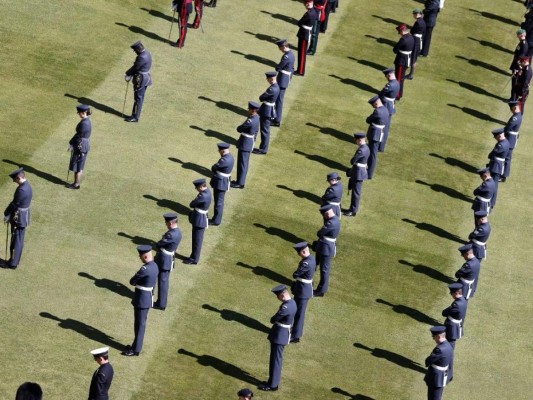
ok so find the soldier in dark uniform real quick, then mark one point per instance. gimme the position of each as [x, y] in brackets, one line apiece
[302, 288]
[418, 30]
[305, 24]
[198, 219]
[520, 89]
[199, 11]
[164, 258]
[455, 314]
[17, 214]
[184, 9]
[285, 70]
[102, 377]
[469, 272]
[333, 194]
[439, 364]
[328, 6]
[319, 6]
[404, 53]
[220, 180]
[521, 50]
[511, 132]
[485, 192]
[79, 145]
[377, 122]
[431, 10]
[497, 159]
[279, 336]
[325, 247]
[388, 98]
[245, 394]
[140, 74]
[144, 281]
[245, 144]
[357, 173]
[527, 25]
[480, 235]
[267, 111]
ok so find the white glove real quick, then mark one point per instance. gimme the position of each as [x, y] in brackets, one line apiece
[127, 78]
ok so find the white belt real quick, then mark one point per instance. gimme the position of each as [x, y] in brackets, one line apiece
[146, 289]
[478, 242]
[418, 35]
[144, 73]
[223, 175]
[307, 27]
[512, 133]
[23, 209]
[283, 325]
[334, 203]
[499, 159]
[406, 52]
[333, 240]
[483, 199]
[438, 367]
[468, 282]
[361, 165]
[201, 211]
[378, 126]
[285, 72]
[391, 99]
[168, 253]
[455, 321]
[247, 135]
[269, 104]
[304, 280]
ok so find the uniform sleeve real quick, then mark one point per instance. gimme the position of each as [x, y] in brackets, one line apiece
[435, 355]
[141, 273]
[282, 312]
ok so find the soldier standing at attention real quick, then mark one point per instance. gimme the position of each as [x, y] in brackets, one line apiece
[455, 314]
[184, 9]
[102, 377]
[469, 272]
[198, 219]
[325, 247]
[521, 50]
[302, 288]
[267, 111]
[497, 159]
[17, 214]
[164, 258]
[144, 281]
[511, 132]
[140, 74]
[485, 192]
[357, 173]
[388, 98]
[279, 336]
[199, 11]
[377, 122]
[404, 54]
[439, 364]
[79, 145]
[285, 70]
[431, 9]
[333, 194]
[220, 180]
[305, 24]
[245, 144]
[480, 235]
[418, 30]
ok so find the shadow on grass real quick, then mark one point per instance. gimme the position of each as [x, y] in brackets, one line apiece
[446, 190]
[226, 106]
[410, 312]
[435, 230]
[114, 286]
[267, 273]
[357, 84]
[159, 14]
[323, 160]
[389, 42]
[141, 31]
[428, 271]
[215, 134]
[259, 59]
[490, 67]
[495, 17]
[477, 114]
[394, 22]
[40, 174]
[370, 64]
[170, 204]
[454, 162]
[262, 36]
[230, 315]
[272, 230]
[192, 166]
[476, 89]
[85, 330]
[222, 366]
[333, 132]
[302, 194]
[349, 395]
[282, 17]
[395, 358]
[94, 104]
[492, 45]
[137, 239]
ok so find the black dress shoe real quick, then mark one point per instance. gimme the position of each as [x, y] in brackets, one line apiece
[298, 74]
[349, 214]
[266, 388]
[131, 119]
[212, 222]
[275, 124]
[410, 77]
[295, 340]
[317, 294]
[189, 261]
[502, 179]
[258, 151]
[73, 186]
[130, 353]
[174, 44]
[236, 186]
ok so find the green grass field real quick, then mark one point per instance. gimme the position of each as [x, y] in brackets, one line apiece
[368, 337]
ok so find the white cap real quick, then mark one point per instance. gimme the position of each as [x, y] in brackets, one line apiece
[103, 351]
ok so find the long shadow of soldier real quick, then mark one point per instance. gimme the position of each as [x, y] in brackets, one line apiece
[477, 114]
[446, 190]
[495, 17]
[411, 312]
[219, 135]
[370, 64]
[114, 286]
[272, 230]
[226, 106]
[394, 22]
[454, 162]
[157, 14]
[332, 132]
[137, 239]
[85, 330]
[382, 40]
[351, 396]
[323, 160]
[192, 166]
[222, 366]
[428, 271]
[267, 273]
[94, 104]
[259, 59]
[357, 84]
[476, 89]
[262, 36]
[492, 45]
[282, 17]
[302, 194]
[435, 230]
[395, 358]
[490, 67]
[141, 31]
[43, 175]
[170, 204]
[230, 315]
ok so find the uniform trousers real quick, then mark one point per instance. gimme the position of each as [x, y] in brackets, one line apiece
[357, 191]
[138, 99]
[197, 240]
[298, 324]
[507, 169]
[302, 54]
[264, 123]
[279, 105]
[276, 361]
[16, 245]
[243, 158]
[426, 41]
[218, 196]
[325, 266]
[162, 287]
[383, 142]
[496, 178]
[139, 327]
[373, 158]
[400, 76]
[435, 393]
